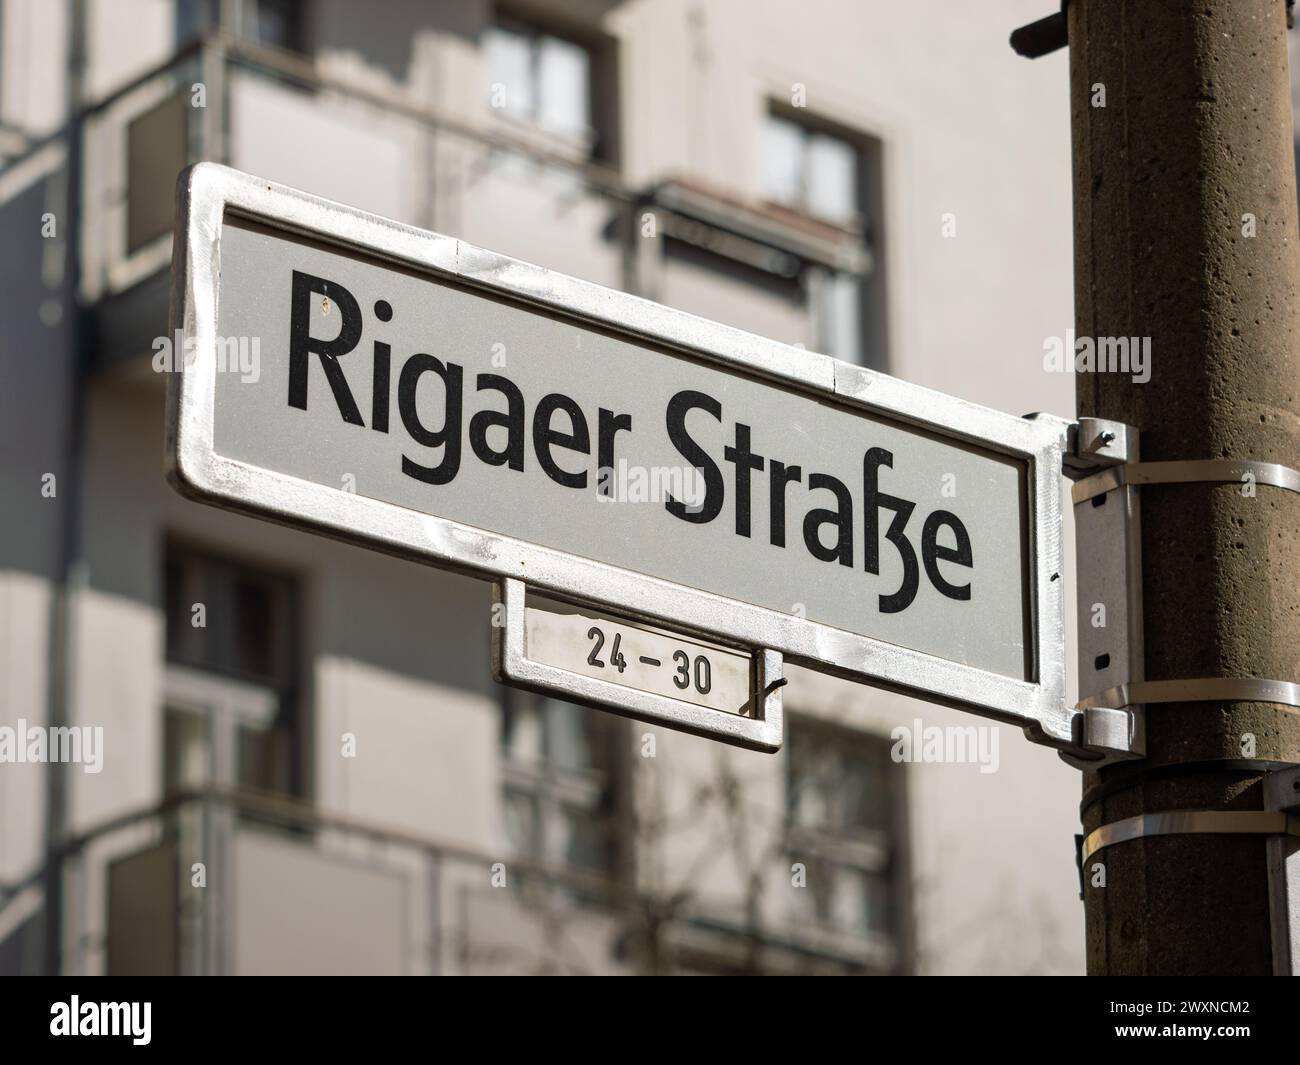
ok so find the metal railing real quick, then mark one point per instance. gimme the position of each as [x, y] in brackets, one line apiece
[548, 919]
[459, 149]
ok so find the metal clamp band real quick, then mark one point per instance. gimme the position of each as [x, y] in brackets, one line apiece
[1179, 822]
[1136, 774]
[1203, 690]
[1196, 471]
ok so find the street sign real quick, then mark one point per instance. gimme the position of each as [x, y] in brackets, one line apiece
[426, 397]
[641, 657]
[642, 671]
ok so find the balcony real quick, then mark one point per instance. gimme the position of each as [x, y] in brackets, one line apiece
[489, 180]
[214, 882]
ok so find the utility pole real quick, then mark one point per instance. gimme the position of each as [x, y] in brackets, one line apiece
[1186, 232]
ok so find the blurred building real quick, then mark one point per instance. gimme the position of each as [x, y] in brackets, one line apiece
[306, 765]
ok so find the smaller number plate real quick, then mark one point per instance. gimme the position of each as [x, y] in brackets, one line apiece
[637, 669]
[639, 657]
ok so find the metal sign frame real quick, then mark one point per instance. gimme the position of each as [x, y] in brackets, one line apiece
[763, 731]
[207, 192]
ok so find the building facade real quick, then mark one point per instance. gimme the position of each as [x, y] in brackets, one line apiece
[305, 764]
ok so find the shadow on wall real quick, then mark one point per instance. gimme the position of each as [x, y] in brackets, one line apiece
[36, 364]
[396, 615]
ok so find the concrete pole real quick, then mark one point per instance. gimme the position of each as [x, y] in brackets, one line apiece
[1186, 232]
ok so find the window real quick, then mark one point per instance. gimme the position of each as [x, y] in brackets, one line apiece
[274, 22]
[832, 177]
[157, 150]
[278, 23]
[810, 171]
[224, 616]
[558, 771]
[221, 732]
[194, 17]
[231, 687]
[551, 83]
[844, 810]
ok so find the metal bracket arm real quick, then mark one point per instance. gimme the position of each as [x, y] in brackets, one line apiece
[1108, 564]
[1103, 460]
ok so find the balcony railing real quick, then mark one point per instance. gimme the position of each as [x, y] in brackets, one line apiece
[484, 178]
[213, 882]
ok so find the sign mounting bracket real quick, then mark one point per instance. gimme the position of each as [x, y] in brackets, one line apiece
[1108, 564]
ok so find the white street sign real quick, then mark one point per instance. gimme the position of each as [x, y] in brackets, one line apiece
[419, 395]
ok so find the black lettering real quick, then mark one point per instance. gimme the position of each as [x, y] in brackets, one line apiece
[302, 344]
[512, 420]
[544, 438]
[448, 437]
[841, 517]
[379, 398]
[714, 492]
[745, 461]
[932, 552]
[873, 500]
[608, 424]
[779, 476]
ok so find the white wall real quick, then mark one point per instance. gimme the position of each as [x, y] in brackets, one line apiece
[397, 653]
[33, 65]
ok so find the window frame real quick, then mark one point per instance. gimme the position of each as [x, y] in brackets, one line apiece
[602, 143]
[553, 787]
[189, 678]
[299, 42]
[226, 704]
[867, 223]
[882, 853]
